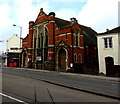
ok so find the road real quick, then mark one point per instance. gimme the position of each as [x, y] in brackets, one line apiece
[23, 88]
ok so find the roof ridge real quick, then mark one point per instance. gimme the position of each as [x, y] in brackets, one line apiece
[61, 22]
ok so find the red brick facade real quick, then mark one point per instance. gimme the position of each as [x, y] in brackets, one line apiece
[58, 42]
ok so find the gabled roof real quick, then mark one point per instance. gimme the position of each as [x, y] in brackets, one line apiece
[60, 22]
[15, 36]
[115, 30]
[41, 13]
[89, 35]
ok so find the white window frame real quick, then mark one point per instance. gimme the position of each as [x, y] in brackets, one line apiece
[108, 42]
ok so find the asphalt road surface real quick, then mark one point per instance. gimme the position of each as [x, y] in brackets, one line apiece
[95, 85]
[25, 89]
[28, 90]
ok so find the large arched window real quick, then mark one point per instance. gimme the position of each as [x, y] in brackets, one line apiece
[46, 45]
[35, 36]
[46, 37]
[38, 41]
[77, 38]
[41, 42]
[34, 45]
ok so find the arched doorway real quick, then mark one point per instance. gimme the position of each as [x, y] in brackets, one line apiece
[62, 59]
[109, 61]
[25, 60]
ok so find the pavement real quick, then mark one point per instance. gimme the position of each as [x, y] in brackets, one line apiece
[75, 74]
[78, 75]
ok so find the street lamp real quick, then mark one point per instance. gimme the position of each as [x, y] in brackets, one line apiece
[20, 42]
[1, 40]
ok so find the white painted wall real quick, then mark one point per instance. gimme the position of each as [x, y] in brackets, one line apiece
[119, 49]
[107, 52]
[13, 42]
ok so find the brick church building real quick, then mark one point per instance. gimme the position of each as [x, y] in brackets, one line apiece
[57, 44]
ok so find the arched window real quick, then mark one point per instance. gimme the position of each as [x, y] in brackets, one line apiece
[79, 58]
[41, 40]
[77, 38]
[34, 42]
[46, 37]
[75, 58]
[38, 41]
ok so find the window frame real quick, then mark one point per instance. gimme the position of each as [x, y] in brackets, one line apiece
[108, 42]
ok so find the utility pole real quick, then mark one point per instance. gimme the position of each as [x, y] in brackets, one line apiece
[20, 44]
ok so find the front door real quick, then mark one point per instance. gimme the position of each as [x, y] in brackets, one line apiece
[25, 59]
[109, 66]
[62, 59]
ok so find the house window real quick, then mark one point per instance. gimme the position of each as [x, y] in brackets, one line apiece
[42, 40]
[76, 40]
[75, 58]
[39, 42]
[108, 42]
[35, 43]
[14, 48]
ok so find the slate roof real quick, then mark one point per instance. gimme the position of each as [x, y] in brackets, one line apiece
[115, 30]
[89, 34]
[60, 22]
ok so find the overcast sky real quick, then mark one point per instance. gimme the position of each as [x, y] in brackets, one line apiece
[97, 14]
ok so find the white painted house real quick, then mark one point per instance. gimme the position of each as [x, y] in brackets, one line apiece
[108, 49]
[13, 44]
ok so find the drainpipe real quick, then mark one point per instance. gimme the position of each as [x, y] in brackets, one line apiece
[72, 62]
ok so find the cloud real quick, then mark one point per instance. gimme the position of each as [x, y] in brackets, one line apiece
[20, 13]
[62, 13]
[25, 12]
[60, 0]
[4, 18]
[99, 14]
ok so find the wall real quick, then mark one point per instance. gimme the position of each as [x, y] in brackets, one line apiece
[104, 52]
[119, 49]
[13, 42]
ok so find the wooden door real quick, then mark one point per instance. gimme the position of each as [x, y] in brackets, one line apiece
[62, 58]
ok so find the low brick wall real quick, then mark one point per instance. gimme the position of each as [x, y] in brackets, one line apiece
[113, 71]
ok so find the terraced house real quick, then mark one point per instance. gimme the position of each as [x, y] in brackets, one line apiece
[109, 52]
[57, 44]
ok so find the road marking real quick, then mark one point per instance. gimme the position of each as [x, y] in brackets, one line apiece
[13, 98]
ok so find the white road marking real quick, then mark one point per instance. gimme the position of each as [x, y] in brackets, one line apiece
[13, 98]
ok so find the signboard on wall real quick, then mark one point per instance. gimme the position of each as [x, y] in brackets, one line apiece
[39, 58]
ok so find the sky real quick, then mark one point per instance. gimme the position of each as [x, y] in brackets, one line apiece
[97, 14]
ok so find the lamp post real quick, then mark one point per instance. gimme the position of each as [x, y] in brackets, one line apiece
[20, 43]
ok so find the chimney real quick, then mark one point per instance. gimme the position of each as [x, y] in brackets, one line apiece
[52, 14]
[107, 30]
[73, 20]
[31, 24]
